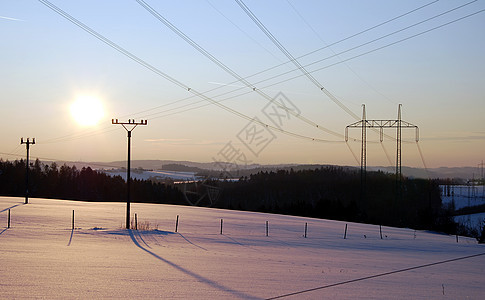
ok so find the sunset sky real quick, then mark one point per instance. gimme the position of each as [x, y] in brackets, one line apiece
[179, 65]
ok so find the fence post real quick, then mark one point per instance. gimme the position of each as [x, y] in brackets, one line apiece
[136, 222]
[73, 219]
[345, 234]
[267, 229]
[177, 224]
[221, 226]
[8, 218]
[306, 227]
[380, 230]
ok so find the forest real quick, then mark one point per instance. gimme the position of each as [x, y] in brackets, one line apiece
[326, 192]
[86, 184]
[335, 193]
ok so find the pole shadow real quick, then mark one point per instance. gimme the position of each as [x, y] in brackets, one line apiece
[239, 243]
[6, 209]
[198, 277]
[188, 241]
[141, 238]
[70, 239]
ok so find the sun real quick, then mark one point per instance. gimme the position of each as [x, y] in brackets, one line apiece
[87, 110]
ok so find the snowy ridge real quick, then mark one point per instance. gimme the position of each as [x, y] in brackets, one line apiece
[42, 256]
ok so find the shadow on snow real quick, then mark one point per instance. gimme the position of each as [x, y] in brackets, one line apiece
[188, 272]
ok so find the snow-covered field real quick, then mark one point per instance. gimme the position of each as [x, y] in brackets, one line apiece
[466, 196]
[42, 257]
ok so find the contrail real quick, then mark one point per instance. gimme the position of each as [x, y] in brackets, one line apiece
[11, 19]
[225, 84]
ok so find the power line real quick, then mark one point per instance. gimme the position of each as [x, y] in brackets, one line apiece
[347, 65]
[74, 136]
[69, 137]
[328, 66]
[319, 69]
[422, 159]
[240, 29]
[377, 275]
[335, 43]
[356, 56]
[346, 38]
[11, 154]
[276, 42]
[16, 148]
[208, 55]
[370, 51]
[292, 59]
[62, 160]
[228, 70]
[369, 29]
[171, 79]
[370, 42]
[401, 30]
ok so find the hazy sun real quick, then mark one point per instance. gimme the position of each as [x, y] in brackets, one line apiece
[87, 111]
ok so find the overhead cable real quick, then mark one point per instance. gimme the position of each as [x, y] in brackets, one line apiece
[368, 52]
[378, 275]
[292, 59]
[228, 70]
[342, 40]
[324, 67]
[171, 79]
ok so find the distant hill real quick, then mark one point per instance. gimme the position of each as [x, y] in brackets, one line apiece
[442, 172]
[211, 167]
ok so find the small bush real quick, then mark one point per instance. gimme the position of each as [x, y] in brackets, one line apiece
[144, 226]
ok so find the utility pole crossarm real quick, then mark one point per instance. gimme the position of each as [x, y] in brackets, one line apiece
[130, 122]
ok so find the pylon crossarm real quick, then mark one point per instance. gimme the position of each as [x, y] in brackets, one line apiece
[357, 124]
[388, 124]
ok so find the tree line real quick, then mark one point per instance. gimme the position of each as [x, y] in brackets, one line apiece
[326, 192]
[336, 193]
[70, 183]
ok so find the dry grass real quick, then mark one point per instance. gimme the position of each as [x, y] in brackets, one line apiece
[144, 226]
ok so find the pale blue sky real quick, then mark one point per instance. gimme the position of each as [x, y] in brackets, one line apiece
[439, 77]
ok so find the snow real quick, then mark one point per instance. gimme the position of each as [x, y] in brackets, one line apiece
[157, 175]
[41, 256]
[466, 196]
[472, 221]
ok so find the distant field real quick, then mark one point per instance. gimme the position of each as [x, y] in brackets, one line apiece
[466, 196]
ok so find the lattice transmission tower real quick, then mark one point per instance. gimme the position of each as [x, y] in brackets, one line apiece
[399, 124]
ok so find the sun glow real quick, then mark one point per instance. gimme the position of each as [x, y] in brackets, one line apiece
[87, 110]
